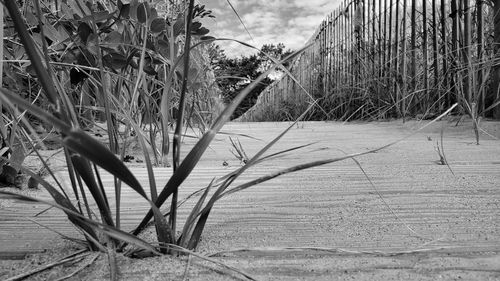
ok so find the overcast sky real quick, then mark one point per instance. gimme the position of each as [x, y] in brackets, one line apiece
[291, 22]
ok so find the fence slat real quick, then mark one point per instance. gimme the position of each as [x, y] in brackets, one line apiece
[424, 52]
[480, 48]
[435, 49]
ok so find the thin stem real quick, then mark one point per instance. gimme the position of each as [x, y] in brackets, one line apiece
[180, 115]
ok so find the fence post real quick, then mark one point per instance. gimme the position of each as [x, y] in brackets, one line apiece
[467, 56]
[480, 48]
[480, 55]
[384, 40]
[425, 53]
[379, 42]
[373, 47]
[327, 57]
[413, 69]
[352, 15]
[435, 49]
[396, 59]
[496, 70]
[389, 51]
[454, 49]
[336, 53]
[322, 54]
[444, 48]
[403, 61]
[357, 33]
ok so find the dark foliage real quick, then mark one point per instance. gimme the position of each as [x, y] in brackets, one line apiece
[234, 74]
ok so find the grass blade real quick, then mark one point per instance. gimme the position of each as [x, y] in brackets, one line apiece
[85, 171]
[106, 229]
[199, 149]
[229, 180]
[180, 116]
[188, 226]
[61, 200]
[164, 232]
[326, 161]
[221, 190]
[186, 251]
[67, 259]
[78, 141]
[31, 50]
[12, 98]
[239, 18]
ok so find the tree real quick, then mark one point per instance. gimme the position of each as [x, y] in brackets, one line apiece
[277, 52]
[234, 74]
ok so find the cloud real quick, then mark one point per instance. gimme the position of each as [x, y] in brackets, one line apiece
[262, 22]
[317, 5]
[290, 22]
[306, 22]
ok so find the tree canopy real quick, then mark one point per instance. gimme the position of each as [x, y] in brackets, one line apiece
[234, 74]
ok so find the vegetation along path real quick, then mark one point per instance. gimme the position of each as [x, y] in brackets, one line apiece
[408, 217]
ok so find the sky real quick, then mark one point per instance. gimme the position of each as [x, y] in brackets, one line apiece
[291, 22]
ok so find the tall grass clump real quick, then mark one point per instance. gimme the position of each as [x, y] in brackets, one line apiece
[129, 66]
[124, 64]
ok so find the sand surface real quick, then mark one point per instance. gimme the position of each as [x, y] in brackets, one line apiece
[405, 218]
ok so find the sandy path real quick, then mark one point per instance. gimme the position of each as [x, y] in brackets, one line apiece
[452, 217]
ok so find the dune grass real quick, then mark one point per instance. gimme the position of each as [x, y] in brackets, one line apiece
[125, 90]
[127, 78]
[363, 64]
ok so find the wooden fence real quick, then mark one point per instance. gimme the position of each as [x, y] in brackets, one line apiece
[392, 58]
